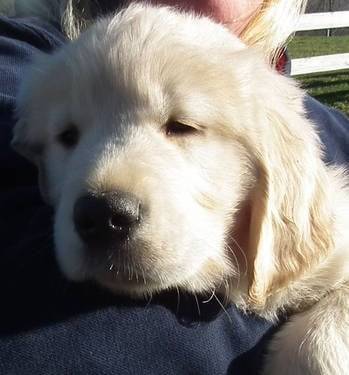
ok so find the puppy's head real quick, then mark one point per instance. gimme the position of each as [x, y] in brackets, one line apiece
[160, 142]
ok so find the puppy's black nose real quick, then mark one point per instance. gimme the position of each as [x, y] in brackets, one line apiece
[107, 218]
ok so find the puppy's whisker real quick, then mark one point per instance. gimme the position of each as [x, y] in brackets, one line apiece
[129, 271]
[150, 297]
[211, 297]
[119, 256]
[178, 299]
[124, 266]
[227, 294]
[221, 278]
[117, 271]
[222, 307]
[132, 270]
[197, 304]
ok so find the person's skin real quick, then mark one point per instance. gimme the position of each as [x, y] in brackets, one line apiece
[235, 14]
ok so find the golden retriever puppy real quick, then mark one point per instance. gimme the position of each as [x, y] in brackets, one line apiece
[176, 157]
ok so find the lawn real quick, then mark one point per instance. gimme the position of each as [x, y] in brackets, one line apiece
[331, 88]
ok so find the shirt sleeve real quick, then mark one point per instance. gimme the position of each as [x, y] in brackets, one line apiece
[333, 129]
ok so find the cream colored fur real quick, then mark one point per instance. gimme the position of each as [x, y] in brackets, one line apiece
[243, 206]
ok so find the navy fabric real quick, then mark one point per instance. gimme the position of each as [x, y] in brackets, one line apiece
[51, 326]
[333, 128]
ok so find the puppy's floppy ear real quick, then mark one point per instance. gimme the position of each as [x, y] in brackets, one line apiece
[291, 220]
[31, 150]
[22, 145]
[28, 133]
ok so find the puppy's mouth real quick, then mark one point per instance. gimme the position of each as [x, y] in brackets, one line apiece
[115, 249]
[121, 268]
[132, 279]
[108, 225]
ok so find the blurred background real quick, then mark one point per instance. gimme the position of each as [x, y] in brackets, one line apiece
[323, 31]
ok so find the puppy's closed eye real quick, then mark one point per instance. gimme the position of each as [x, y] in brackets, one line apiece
[177, 129]
[69, 137]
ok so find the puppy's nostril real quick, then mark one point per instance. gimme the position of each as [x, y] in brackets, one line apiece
[87, 225]
[119, 223]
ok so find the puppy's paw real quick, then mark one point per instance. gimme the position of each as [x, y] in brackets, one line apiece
[314, 342]
[285, 362]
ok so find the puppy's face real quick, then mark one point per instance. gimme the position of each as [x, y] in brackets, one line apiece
[144, 186]
[157, 145]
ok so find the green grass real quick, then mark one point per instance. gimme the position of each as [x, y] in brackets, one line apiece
[306, 46]
[331, 88]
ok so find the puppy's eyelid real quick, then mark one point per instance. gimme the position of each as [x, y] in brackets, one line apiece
[69, 137]
[178, 129]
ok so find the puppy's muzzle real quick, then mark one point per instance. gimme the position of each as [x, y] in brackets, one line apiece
[106, 220]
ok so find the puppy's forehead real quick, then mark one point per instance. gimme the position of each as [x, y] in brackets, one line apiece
[152, 50]
[144, 58]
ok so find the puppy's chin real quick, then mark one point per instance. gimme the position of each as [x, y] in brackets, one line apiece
[136, 280]
[115, 273]
[138, 284]
[128, 281]
[133, 288]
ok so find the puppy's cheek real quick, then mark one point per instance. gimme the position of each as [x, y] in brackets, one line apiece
[69, 250]
[201, 244]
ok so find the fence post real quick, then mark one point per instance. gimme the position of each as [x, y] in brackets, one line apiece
[330, 6]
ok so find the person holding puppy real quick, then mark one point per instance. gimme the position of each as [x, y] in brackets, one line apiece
[50, 326]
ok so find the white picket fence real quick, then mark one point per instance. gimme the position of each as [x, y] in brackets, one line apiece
[318, 21]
